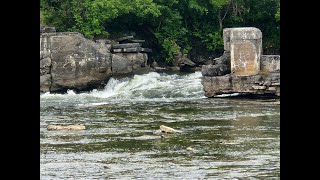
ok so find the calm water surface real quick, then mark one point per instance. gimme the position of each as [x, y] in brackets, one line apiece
[221, 138]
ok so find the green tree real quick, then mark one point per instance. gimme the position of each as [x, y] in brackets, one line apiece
[171, 26]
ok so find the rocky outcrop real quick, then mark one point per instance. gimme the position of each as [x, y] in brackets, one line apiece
[270, 64]
[129, 63]
[264, 84]
[221, 66]
[129, 45]
[129, 56]
[242, 68]
[70, 61]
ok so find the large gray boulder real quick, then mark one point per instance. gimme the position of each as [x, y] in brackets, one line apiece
[121, 65]
[129, 63]
[70, 61]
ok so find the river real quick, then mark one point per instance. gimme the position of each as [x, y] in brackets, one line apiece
[220, 138]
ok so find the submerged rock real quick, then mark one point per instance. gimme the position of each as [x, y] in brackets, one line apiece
[190, 149]
[167, 129]
[66, 127]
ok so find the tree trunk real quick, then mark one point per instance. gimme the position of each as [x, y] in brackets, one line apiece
[220, 21]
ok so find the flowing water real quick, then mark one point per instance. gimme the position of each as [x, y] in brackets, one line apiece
[220, 138]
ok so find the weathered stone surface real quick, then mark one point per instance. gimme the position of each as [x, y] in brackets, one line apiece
[187, 61]
[223, 60]
[220, 66]
[103, 45]
[137, 40]
[245, 50]
[47, 29]
[226, 39]
[124, 38]
[136, 49]
[245, 33]
[101, 41]
[44, 47]
[243, 59]
[241, 84]
[182, 61]
[259, 87]
[173, 69]
[117, 50]
[45, 83]
[46, 62]
[206, 83]
[212, 87]
[120, 65]
[127, 45]
[45, 65]
[154, 64]
[272, 88]
[70, 61]
[215, 70]
[138, 60]
[201, 59]
[76, 63]
[44, 54]
[270, 63]
[126, 63]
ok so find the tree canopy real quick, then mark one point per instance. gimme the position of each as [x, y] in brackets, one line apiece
[188, 26]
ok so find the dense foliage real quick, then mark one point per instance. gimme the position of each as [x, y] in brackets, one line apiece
[168, 25]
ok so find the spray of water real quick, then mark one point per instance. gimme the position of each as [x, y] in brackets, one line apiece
[151, 86]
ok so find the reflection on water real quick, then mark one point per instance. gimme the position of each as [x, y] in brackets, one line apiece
[220, 138]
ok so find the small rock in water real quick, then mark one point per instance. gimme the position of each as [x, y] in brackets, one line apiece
[66, 127]
[167, 129]
[190, 149]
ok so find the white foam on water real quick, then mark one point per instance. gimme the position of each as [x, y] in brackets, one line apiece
[229, 95]
[147, 87]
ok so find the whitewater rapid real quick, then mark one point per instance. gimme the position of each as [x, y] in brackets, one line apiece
[152, 86]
